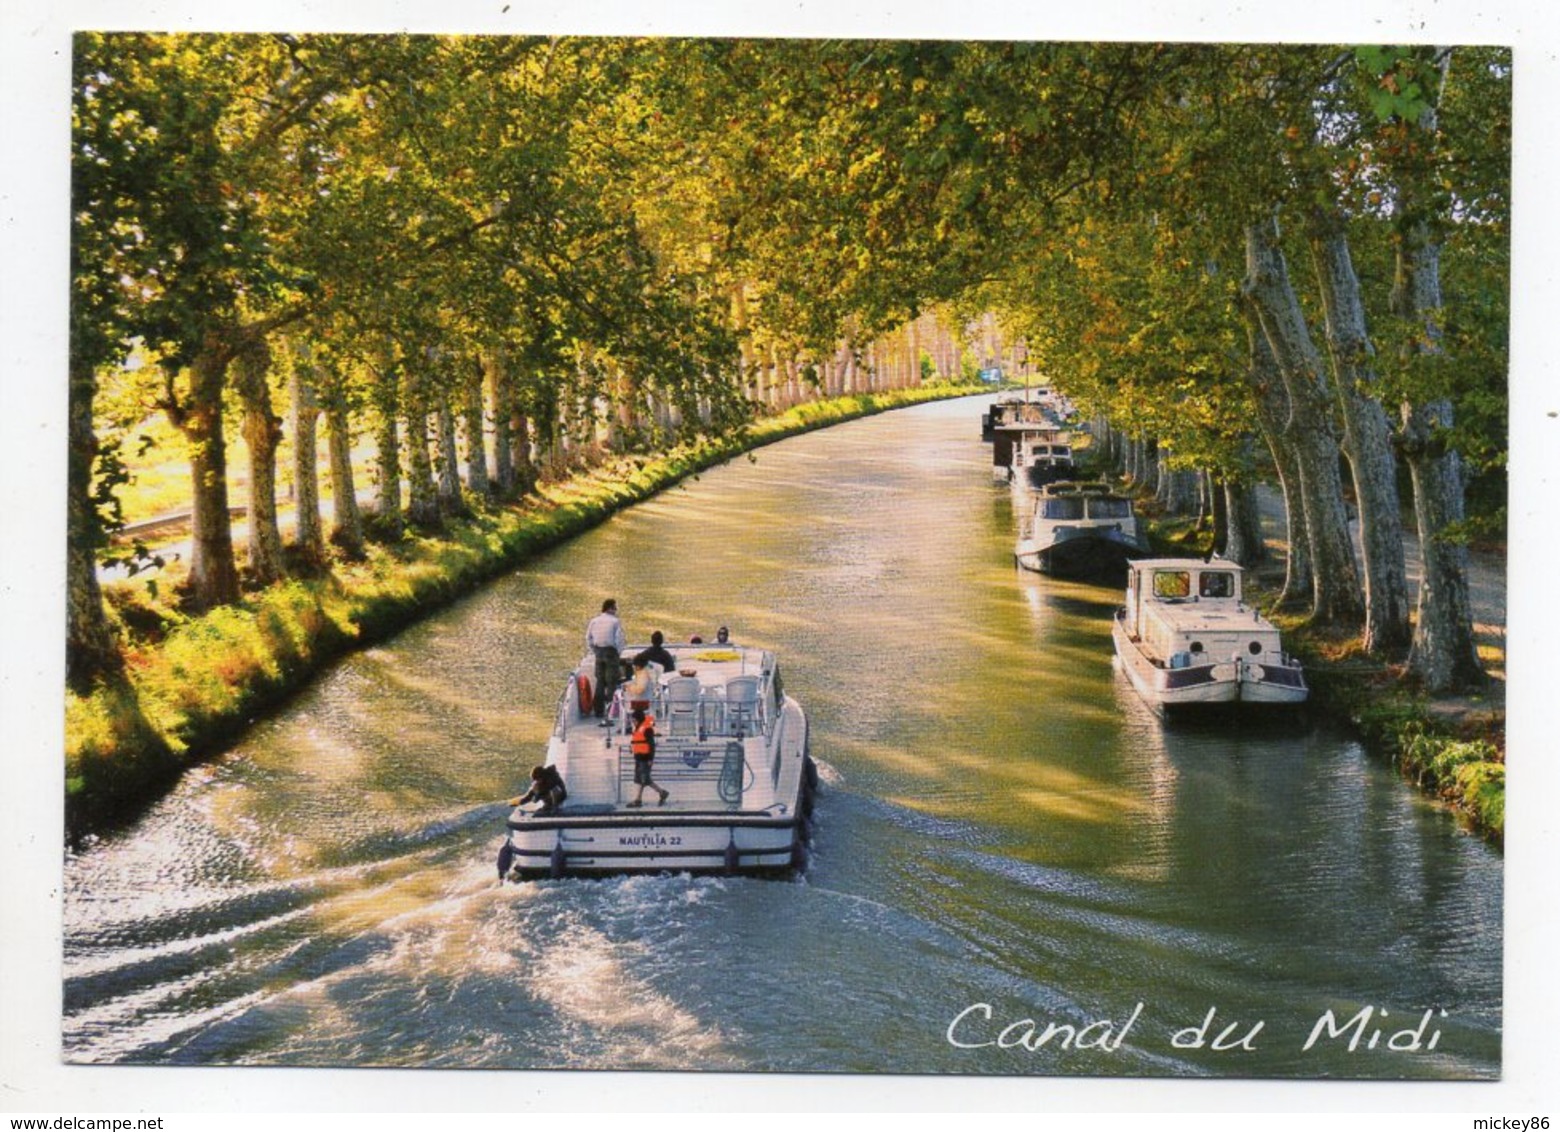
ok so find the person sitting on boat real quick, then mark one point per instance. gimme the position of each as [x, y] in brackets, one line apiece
[546, 787]
[642, 685]
[643, 746]
[604, 637]
[723, 636]
[657, 654]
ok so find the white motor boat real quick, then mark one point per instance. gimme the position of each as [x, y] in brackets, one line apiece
[731, 751]
[1040, 457]
[1187, 640]
[1081, 530]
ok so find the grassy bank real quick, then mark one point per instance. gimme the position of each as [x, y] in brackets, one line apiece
[192, 684]
[1453, 748]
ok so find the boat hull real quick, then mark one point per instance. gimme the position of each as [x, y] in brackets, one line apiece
[1083, 554]
[610, 843]
[1227, 685]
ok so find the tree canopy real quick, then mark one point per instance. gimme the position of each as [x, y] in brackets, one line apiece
[548, 243]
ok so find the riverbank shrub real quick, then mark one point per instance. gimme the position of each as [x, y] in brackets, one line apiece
[192, 684]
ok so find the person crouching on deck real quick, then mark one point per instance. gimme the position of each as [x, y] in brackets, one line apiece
[546, 787]
[643, 745]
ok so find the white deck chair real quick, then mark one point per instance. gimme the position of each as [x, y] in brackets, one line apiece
[742, 705]
[682, 706]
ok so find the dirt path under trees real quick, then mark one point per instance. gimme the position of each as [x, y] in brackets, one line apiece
[1486, 582]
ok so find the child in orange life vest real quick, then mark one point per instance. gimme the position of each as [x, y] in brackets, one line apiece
[643, 746]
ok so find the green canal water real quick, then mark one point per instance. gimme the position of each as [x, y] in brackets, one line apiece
[1007, 840]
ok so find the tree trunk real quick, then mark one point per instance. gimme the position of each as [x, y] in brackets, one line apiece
[90, 650]
[309, 539]
[525, 466]
[1134, 461]
[1180, 488]
[476, 431]
[422, 503]
[499, 398]
[1243, 541]
[262, 433]
[1444, 654]
[451, 502]
[347, 525]
[387, 400]
[1367, 437]
[1271, 401]
[1337, 598]
[1217, 507]
[213, 578]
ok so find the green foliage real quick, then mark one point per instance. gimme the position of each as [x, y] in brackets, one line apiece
[1398, 82]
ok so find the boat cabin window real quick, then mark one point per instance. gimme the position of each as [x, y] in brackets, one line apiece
[1064, 507]
[1110, 509]
[1219, 583]
[1172, 583]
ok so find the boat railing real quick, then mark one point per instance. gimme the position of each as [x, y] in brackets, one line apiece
[736, 710]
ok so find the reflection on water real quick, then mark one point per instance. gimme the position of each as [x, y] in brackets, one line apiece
[1003, 823]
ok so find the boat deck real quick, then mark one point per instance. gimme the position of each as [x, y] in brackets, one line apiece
[720, 728]
[731, 750]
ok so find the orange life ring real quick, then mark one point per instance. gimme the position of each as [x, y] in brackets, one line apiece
[587, 701]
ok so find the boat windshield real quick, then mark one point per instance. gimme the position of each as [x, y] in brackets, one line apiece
[1219, 583]
[1172, 583]
[1064, 507]
[1110, 509]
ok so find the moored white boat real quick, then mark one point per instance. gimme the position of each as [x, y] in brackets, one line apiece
[1080, 530]
[731, 751]
[1186, 639]
[1041, 456]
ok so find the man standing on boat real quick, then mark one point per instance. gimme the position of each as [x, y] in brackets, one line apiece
[604, 637]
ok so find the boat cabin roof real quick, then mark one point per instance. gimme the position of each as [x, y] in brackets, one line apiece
[1193, 564]
[1033, 428]
[1176, 579]
[1078, 487]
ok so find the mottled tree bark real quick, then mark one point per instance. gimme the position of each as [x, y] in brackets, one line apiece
[1367, 436]
[422, 502]
[499, 398]
[1217, 509]
[1243, 525]
[1337, 597]
[90, 650]
[213, 578]
[474, 424]
[524, 463]
[1273, 417]
[262, 433]
[1444, 654]
[387, 403]
[451, 501]
[309, 537]
[347, 520]
[1180, 488]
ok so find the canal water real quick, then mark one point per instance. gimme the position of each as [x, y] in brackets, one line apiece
[1016, 867]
